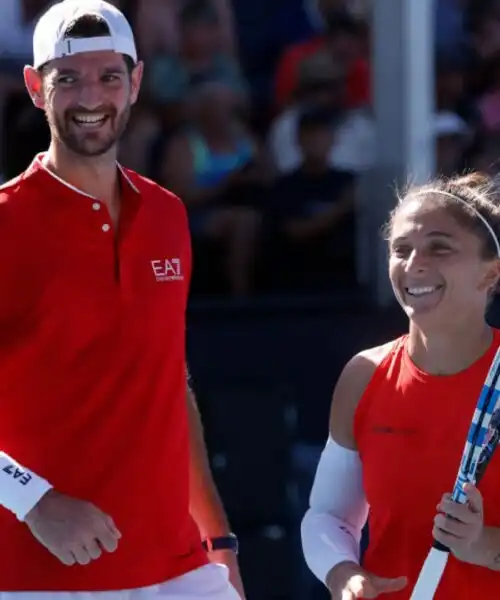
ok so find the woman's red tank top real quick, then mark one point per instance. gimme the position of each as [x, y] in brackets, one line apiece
[410, 429]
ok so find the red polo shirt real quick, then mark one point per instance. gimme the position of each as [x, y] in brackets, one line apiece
[92, 374]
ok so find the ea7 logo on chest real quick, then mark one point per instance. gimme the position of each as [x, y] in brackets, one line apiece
[167, 269]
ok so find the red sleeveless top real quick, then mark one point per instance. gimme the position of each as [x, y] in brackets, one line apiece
[410, 429]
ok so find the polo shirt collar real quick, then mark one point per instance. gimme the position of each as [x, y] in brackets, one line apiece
[37, 166]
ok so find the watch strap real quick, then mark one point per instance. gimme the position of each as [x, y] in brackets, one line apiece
[225, 542]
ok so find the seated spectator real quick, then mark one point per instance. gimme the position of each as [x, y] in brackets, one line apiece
[16, 29]
[485, 21]
[313, 209]
[170, 75]
[488, 103]
[264, 29]
[137, 142]
[321, 82]
[159, 29]
[485, 155]
[219, 172]
[451, 82]
[450, 27]
[452, 140]
[17, 24]
[344, 39]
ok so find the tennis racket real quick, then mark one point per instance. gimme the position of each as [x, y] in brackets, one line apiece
[481, 442]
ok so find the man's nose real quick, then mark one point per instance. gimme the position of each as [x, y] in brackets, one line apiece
[90, 96]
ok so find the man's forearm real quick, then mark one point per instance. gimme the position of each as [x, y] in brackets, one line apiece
[205, 503]
[486, 551]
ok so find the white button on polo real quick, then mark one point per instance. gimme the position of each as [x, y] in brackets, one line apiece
[96, 206]
[106, 227]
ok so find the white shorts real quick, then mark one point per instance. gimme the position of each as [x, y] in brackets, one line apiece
[210, 582]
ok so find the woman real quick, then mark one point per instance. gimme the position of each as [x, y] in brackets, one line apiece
[219, 171]
[401, 412]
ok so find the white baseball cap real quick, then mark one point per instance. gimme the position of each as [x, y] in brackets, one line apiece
[50, 42]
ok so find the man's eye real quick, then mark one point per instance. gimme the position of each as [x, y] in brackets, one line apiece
[66, 79]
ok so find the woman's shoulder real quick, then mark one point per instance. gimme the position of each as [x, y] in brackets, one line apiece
[351, 386]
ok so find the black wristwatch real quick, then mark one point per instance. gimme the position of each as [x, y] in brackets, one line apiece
[226, 542]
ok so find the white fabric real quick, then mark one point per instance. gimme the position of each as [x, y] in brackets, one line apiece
[447, 123]
[210, 582]
[353, 149]
[331, 528]
[49, 40]
[20, 489]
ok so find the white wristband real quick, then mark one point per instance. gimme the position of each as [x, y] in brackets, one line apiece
[20, 489]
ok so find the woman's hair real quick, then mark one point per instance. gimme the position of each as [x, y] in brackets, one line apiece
[471, 199]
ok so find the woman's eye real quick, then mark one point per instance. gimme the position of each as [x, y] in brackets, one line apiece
[401, 250]
[440, 249]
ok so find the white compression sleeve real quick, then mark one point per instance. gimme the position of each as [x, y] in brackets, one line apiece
[20, 489]
[331, 528]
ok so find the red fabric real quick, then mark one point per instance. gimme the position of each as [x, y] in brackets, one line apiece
[410, 429]
[93, 375]
[358, 77]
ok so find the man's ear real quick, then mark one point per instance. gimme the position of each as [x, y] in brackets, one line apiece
[135, 81]
[34, 85]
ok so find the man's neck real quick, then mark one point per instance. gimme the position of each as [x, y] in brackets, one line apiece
[96, 176]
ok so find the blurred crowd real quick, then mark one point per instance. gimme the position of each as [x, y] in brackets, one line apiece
[257, 114]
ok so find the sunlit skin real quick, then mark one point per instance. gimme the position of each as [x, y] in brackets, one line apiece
[442, 281]
[73, 89]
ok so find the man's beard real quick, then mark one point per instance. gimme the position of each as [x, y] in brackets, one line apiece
[90, 143]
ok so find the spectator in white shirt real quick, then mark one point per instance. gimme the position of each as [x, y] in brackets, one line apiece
[322, 83]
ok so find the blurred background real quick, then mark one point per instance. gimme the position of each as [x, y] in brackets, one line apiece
[286, 126]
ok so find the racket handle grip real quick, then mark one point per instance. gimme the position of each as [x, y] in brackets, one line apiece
[439, 546]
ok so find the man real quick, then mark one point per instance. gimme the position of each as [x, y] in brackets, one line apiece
[103, 460]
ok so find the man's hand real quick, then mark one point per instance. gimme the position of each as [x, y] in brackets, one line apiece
[72, 530]
[460, 526]
[347, 581]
